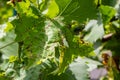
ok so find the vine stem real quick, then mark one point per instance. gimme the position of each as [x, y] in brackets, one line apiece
[7, 45]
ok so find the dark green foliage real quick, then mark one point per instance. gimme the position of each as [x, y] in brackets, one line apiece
[44, 38]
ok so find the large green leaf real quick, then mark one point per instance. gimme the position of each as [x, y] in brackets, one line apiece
[50, 41]
[31, 31]
[60, 36]
[79, 10]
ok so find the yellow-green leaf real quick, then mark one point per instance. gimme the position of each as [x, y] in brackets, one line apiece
[8, 27]
[53, 9]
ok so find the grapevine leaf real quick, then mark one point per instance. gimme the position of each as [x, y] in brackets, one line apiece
[8, 27]
[117, 7]
[35, 71]
[79, 70]
[53, 38]
[53, 9]
[79, 10]
[11, 48]
[49, 8]
[28, 28]
[75, 71]
[96, 31]
[22, 74]
[2, 30]
[74, 49]
[109, 2]
[114, 47]
[22, 7]
[107, 13]
[92, 64]
[5, 12]
[40, 71]
[35, 10]
[68, 48]
[44, 5]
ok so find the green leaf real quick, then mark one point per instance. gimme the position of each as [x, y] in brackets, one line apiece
[44, 5]
[21, 27]
[114, 47]
[35, 71]
[110, 2]
[5, 11]
[107, 13]
[69, 48]
[117, 7]
[31, 32]
[10, 48]
[49, 8]
[53, 9]
[8, 27]
[40, 71]
[79, 70]
[52, 32]
[35, 10]
[96, 31]
[49, 45]
[2, 30]
[79, 10]
[76, 71]
[92, 64]
[22, 7]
